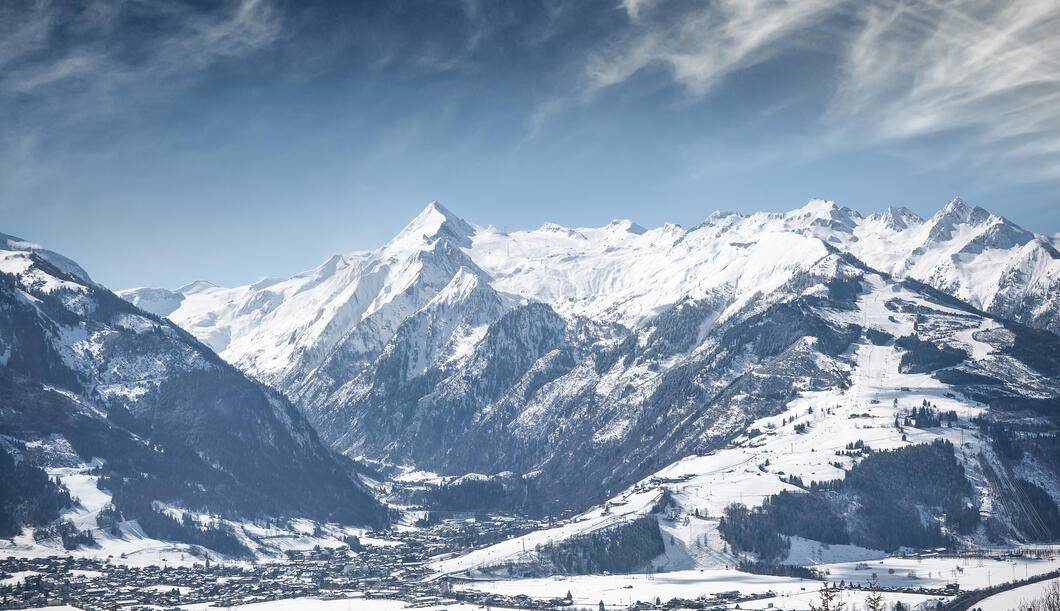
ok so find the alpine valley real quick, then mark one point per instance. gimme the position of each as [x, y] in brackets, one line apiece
[770, 392]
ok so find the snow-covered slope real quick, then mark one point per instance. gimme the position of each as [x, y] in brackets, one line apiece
[821, 434]
[278, 330]
[11, 244]
[167, 418]
[126, 538]
[978, 257]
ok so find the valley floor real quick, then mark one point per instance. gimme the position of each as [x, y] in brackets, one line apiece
[913, 580]
[1011, 599]
[892, 573]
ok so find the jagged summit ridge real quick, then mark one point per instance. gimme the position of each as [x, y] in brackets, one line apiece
[620, 272]
[897, 218]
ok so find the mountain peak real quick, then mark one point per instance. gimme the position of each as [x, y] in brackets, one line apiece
[160, 302]
[436, 207]
[816, 207]
[626, 225]
[956, 204]
[902, 212]
[12, 243]
[898, 218]
[434, 214]
[433, 222]
[957, 211]
[821, 212]
[196, 287]
[958, 208]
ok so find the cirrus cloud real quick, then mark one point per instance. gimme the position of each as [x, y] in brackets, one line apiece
[902, 69]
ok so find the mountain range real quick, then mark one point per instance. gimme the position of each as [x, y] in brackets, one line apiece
[827, 378]
[589, 358]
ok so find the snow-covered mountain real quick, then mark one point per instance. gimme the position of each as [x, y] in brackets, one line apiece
[593, 357]
[967, 252]
[88, 380]
[278, 330]
[618, 273]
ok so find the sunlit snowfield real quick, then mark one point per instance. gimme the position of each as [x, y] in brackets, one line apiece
[1012, 598]
[350, 604]
[622, 590]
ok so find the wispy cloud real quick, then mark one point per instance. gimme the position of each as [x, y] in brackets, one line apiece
[68, 64]
[991, 68]
[903, 69]
[95, 50]
[701, 47]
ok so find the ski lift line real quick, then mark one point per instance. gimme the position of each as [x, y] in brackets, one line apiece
[1026, 506]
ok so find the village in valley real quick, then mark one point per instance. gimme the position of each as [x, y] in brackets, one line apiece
[400, 573]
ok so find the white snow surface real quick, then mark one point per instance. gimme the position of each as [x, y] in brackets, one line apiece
[13, 244]
[354, 603]
[131, 546]
[621, 591]
[1016, 598]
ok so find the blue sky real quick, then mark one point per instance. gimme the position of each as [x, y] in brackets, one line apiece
[161, 142]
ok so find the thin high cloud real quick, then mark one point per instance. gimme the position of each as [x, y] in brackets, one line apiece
[903, 69]
[701, 47]
[992, 68]
[83, 51]
[65, 65]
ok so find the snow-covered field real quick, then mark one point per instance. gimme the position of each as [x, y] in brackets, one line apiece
[312, 604]
[970, 573]
[890, 572]
[853, 599]
[1011, 599]
[344, 604]
[17, 577]
[623, 590]
[132, 547]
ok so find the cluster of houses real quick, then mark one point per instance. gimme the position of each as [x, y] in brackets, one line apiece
[94, 584]
[395, 570]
